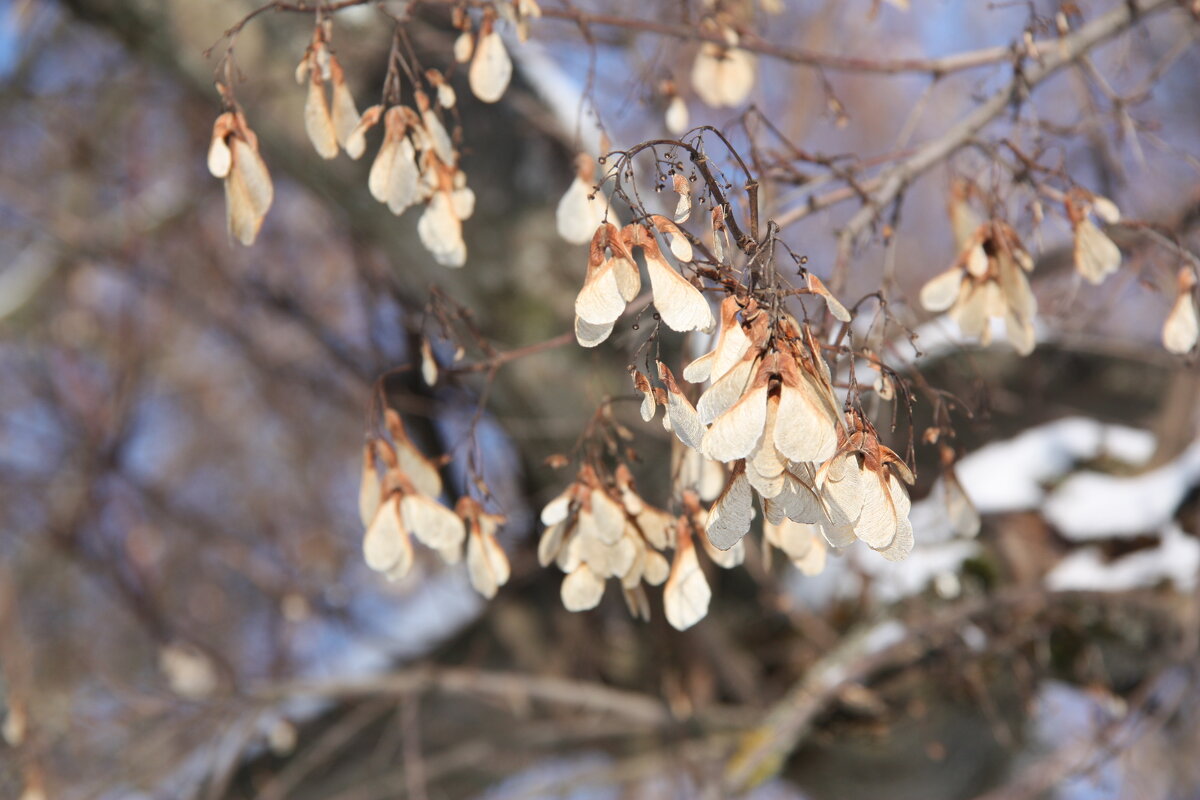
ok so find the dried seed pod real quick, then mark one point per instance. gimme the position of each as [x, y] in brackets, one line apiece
[491, 67]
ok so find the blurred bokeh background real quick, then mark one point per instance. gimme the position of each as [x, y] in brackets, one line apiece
[183, 608]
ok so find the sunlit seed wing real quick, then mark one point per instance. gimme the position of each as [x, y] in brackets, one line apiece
[942, 290]
[656, 525]
[682, 306]
[677, 120]
[248, 192]
[726, 391]
[441, 232]
[835, 306]
[729, 518]
[600, 300]
[735, 433]
[686, 595]
[685, 422]
[386, 547]
[970, 312]
[551, 542]
[576, 216]
[1181, 328]
[843, 499]
[491, 68]
[318, 123]
[582, 589]
[656, 569]
[368, 489]
[487, 565]
[433, 524]
[344, 113]
[589, 335]
[220, 159]
[879, 521]
[608, 515]
[381, 169]
[1096, 255]
[637, 602]
[804, 429]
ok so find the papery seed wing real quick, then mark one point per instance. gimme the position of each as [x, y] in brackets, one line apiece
[582, 589]
[356, 142]
[804, 430]
[248, 192]
[677, 243]
[1096, 255]
[726, 391]
[344, 112]
[686, 595]
[557, 509]
[902, 544]
[683, 208]
[835, 306]
[464, 47]
[656, 569]
[434, 525]
[607, 560]
[964, 518]
[589, 335]
[402, 188]
[429, 365]
[421, 472]
[735, 433]
[462, 201]
[577, 216]
[637, 602]
[970, 312]
[386, 547]
[700, 368]
[682, 306]
[608, 515]
[1181, 328]
[685, 423]
[368, 488]
[381, 169]
[491, 68]
[656, 525]
[487, 566]
[569, 556]
[677, 117]
[600, 301]
[797, 502]
[879, 521]
[843, 499]
[735, 556]
[729, 518]
[551, 542]
[766, 465]
[318, 123]
[441, 232]
[813, 562]
[942, 290]
[795, 539]
[737, 76]
[443, 148]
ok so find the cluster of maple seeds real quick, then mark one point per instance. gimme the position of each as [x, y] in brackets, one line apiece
[401, 502]
[417, 162]
[769, 424]
[988, 278]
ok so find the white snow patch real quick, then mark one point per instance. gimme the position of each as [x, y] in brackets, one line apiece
[1093, 505]
[1008, 476]
[1175, 559]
